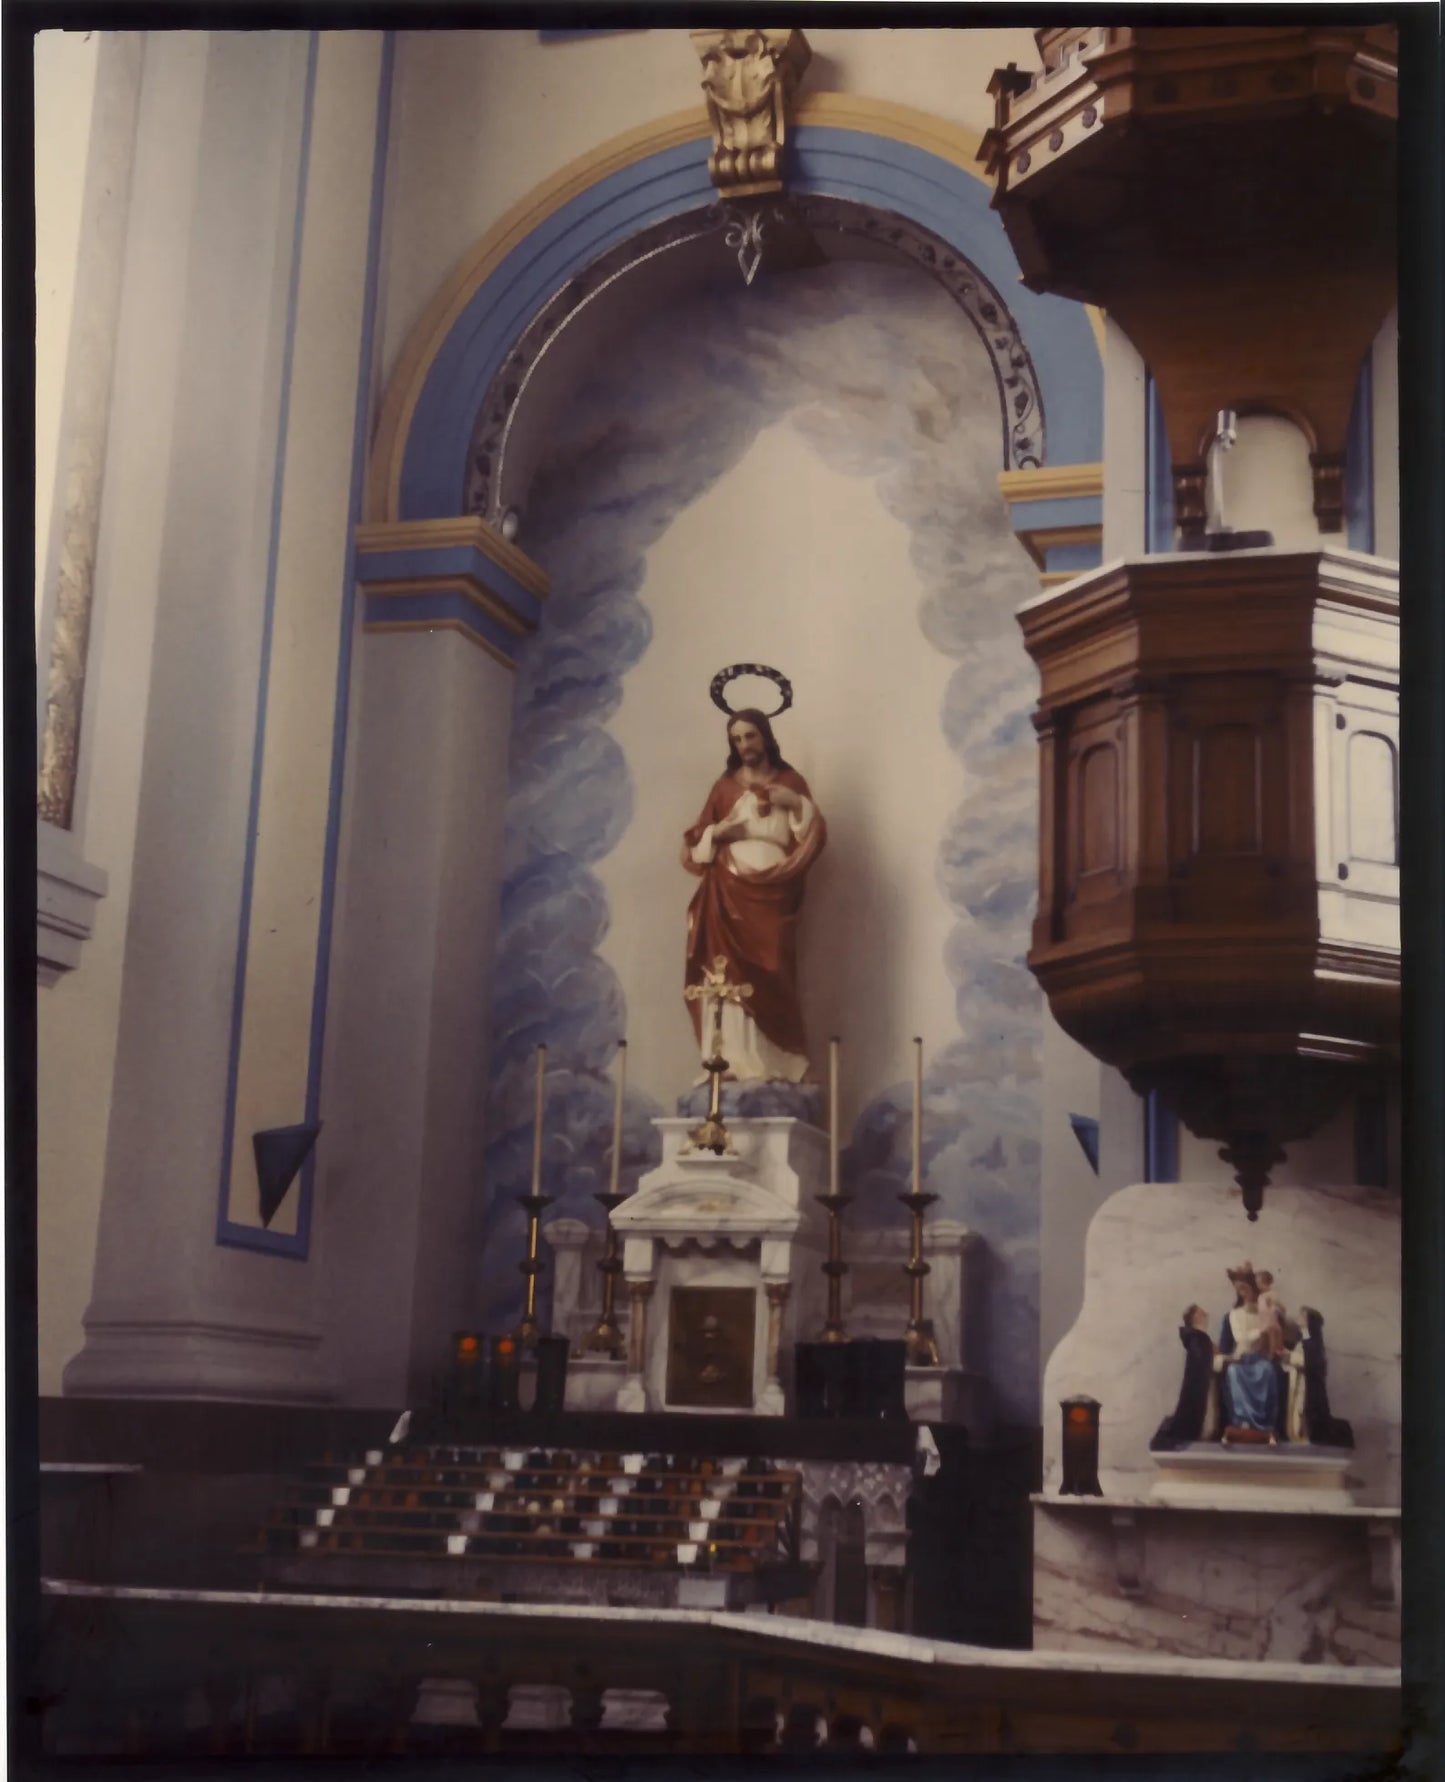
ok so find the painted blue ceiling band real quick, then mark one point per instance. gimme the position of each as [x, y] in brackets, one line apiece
[1058, 510]
[1072, 559]
[432, 608]
[915, 185]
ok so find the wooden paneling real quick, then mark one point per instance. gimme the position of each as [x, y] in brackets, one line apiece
[1218, 832]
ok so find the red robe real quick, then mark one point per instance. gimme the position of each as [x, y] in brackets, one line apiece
[751, 918]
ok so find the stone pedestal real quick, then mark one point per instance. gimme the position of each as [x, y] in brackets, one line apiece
[742, 1221]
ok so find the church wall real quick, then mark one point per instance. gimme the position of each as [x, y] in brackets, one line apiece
[237, 369]
[803, 473]
[414, 945]
[78, 1017]
[483, 117]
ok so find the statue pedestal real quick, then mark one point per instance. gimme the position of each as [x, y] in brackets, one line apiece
[721, 1267]
[1213, 1476]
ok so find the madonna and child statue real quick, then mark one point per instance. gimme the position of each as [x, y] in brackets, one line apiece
[751, 849]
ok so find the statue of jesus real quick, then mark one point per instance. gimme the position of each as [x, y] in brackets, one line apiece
[751, 848]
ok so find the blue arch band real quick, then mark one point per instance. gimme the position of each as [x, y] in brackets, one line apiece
[852, 164]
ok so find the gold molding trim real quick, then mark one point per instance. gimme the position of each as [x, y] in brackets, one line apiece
[950, 142]
[478, 593]
[421, 346]
[903, 123]
[1051, 482]
[1046, 537]
[462, 529]
[488, 648]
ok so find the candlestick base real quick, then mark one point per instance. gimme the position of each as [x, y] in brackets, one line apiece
[922, 1347]
[605, 1338]
[712, 1135]
[528, 1333]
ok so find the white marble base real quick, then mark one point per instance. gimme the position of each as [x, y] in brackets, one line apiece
[1210, 1584]
[702, 1593]
[948, 1395]
[593, 1382]
[537, 1707]
[634, 1710]
[169, 1357]
[446, 1701]
[770, 1401]
[747, 1219]
[632, 1394]
[1212, 1475]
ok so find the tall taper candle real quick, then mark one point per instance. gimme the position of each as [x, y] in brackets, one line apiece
[833, 1115]
[617, 1116]
[917, 1115]
[537, 1121]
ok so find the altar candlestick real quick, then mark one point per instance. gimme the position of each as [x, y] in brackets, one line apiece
[917, 1116]
[922, 1347]
[833, 1115]
[605, 1337]
[834, 1203]
[617, 1116]
[528, 1331]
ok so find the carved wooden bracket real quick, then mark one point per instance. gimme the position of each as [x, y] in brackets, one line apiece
[749, 77]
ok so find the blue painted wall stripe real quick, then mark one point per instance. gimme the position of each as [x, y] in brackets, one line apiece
[451, 560]
[227, 1231]
[427, 609]
[1061, 510]
[360, 437]
[1161, 1139]
[1158, 475]
[1075, 557]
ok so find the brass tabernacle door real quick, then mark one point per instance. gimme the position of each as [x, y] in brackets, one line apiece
[710, 1347]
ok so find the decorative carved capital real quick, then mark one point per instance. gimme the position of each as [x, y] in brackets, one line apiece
[748, 79]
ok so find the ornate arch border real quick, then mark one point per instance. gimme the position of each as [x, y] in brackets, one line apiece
[891, 157]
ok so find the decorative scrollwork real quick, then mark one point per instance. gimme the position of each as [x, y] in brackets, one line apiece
[717, 692]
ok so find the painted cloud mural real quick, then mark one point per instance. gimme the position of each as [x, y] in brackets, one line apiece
[876, 371]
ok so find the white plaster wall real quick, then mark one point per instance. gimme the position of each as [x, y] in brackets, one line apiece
[1126, 386]
[481, 117]
[180, 590]
[1265, 483]
[77, 1018]
[406, 1059]
[1070, 1190]
[821, 585]
[65, 73]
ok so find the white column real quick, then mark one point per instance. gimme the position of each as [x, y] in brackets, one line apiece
[1125, 445]
[219, 150]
